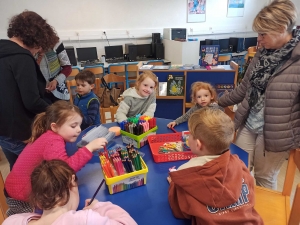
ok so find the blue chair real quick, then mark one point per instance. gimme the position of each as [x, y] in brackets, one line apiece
[243, 155]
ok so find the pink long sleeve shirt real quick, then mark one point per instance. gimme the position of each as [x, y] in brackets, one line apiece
[103, 213]
[48, 146]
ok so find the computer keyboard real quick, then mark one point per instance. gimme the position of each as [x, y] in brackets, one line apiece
[116, 61]
[92, 64]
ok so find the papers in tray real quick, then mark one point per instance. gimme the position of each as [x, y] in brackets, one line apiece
[218, 67]
[146, 67]
[162, 67]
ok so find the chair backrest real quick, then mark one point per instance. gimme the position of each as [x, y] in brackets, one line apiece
[117, 69]
[155, 62]
[252, 49]
[294, 218]
[294, 161]
[3, 205]
[71, 84]
[97, 70]
[224, 59]
[112, 110]
[75, 71]
[111, 78]
[133, 68]
[235, 66]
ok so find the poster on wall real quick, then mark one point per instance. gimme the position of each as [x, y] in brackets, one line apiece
[235, 8]
[196, 11]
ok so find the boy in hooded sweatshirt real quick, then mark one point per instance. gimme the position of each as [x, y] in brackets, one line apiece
[215, 187]
[140, 99]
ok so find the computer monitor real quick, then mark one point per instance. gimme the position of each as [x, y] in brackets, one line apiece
[144, 50]
[113, 51]
[250, 41]
[84, 54]
[224, 45]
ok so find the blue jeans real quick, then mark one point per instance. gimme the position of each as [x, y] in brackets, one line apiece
[11, 148]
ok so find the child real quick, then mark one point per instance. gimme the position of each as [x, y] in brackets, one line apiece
[217, 185]
[86, 100]
[50, 132]
[203, 94]
[139, 100]
[55, 191]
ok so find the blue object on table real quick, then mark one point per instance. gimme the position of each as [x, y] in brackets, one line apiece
[146, 204]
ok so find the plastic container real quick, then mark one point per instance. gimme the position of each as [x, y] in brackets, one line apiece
[155, 141]
[137, 141]
[128, 180]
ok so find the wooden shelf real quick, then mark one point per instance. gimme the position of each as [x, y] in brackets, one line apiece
[169, 97]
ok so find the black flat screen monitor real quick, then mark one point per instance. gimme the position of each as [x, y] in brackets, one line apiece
[113, 51]
[250, 41]
[84, 54]
[224, 45]
[144, 50]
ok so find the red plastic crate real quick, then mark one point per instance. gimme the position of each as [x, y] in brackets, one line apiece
[155, 141]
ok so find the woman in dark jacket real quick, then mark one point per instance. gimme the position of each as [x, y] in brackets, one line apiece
[268, 118]
[22, 84]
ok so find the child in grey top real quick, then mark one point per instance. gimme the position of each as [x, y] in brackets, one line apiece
[140, 99]
[203, 94]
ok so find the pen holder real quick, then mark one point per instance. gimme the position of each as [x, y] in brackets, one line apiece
[127, 181]
[137, 141]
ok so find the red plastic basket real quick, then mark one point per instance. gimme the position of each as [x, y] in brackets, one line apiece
[155, 141]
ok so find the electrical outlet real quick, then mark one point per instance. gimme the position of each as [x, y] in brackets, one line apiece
[77, 33]
[104, 32]
[191, 30]
[127, 32]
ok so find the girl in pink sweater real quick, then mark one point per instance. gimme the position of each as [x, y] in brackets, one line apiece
[55, 190]
[50, 132]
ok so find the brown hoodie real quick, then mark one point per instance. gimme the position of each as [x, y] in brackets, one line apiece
[219, 192]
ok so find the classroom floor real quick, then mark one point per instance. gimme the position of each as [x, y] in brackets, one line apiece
[4, 168]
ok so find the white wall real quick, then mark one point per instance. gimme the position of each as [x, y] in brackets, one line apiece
[82, 22]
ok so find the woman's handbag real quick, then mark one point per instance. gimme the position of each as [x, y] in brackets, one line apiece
[108, 96]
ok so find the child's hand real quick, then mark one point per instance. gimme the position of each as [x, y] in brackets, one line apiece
[169, 179]
[172, 124]
[87, 201]
[96, 144]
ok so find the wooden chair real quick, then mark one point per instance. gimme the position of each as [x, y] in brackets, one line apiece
[112, 110]
[97, 70]
[155, 62]
[274, 206]
[71, 84]
[224, 59]
[118, 69]
[235, 66]
[110, 79]
[3, 205]
[75, 71]
[134, 70]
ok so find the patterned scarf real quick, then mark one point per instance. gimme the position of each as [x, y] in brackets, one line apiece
[264, 69]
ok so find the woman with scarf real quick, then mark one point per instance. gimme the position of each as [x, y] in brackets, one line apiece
[268, 116]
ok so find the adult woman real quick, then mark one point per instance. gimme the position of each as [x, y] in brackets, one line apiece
[56, 67]
[268, 118]
[55, 191]
[22, 84]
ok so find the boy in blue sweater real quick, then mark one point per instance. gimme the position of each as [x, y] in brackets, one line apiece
[86, 100]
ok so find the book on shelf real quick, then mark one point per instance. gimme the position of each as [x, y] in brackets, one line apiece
[162, 89]
[161, 67]
[218, 67]
[175, 85]
[146, 67]
[209, 55]
[221, 88]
